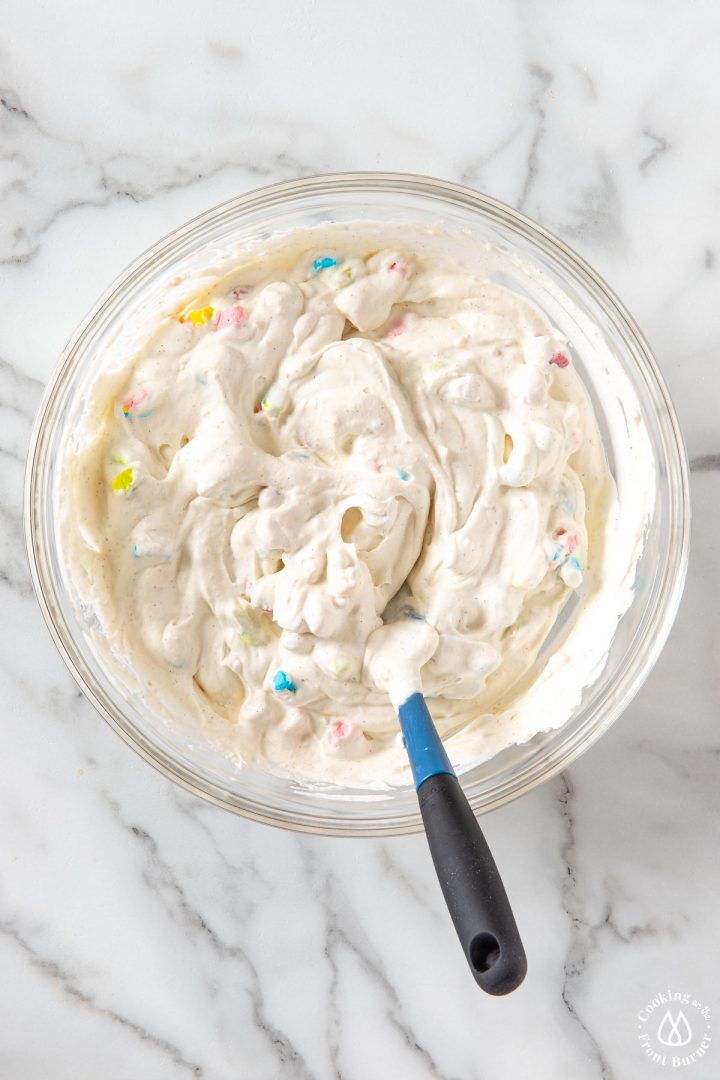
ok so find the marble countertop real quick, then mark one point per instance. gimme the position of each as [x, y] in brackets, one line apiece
[144, 933]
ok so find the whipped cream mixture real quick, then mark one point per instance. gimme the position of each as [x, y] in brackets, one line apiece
[319, 448]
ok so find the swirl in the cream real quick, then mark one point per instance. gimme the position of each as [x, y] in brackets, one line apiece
[313, 448]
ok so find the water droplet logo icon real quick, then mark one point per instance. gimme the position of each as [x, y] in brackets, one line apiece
[674, 1032]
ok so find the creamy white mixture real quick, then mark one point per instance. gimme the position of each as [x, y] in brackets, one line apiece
[319, 448]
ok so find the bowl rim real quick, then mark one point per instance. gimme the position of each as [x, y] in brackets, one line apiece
[660, 620]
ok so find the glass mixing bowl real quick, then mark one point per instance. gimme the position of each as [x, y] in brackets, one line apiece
[558, 275]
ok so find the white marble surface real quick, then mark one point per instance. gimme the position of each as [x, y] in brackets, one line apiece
[146, 934]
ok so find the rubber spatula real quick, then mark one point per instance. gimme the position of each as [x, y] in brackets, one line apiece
[469, 878]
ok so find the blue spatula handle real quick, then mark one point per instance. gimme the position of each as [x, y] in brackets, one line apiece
[466, 870]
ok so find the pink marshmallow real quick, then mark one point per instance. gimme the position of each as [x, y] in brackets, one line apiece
[342, 732]
[132, 402]
[232, 316]
[399, 266]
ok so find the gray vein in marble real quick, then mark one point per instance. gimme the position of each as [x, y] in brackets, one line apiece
[634, 932]
[108, 177]
[588, 81]
[472, 174]
[338, 937]
[390, 866]
[312, 875]
[186, 175]
[193, 809]
[9, 101]
[280, 165]
[709, 260]
[225, 51]
[705, 463]
[19, 395]
[18, 399]
[660, 146]
[59, 702]
[597, 214]
[578, 953]
[161, 879]
[543, 79]
[69, 986]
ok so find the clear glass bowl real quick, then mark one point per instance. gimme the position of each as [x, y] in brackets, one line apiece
[401, 201]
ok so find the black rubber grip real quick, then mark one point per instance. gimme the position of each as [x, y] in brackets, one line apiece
[472, 886]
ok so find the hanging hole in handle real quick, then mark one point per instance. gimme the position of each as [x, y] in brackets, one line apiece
[484, 952]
